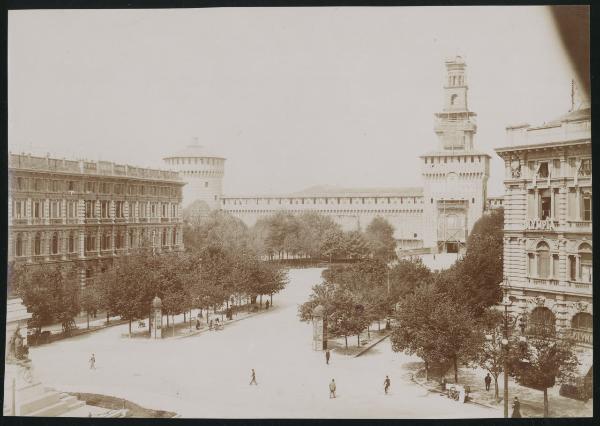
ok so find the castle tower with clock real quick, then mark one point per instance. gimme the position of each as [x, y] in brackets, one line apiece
[455, 175]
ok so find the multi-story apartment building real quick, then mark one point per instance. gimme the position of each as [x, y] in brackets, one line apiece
[548, 223]
[89, 212]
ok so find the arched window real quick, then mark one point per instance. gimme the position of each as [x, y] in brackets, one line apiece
[19, 245]
[542, 318]
[453, 99]
[543, 264]
[585, 262]
[37, 244]
[54, 245]
[582, 321]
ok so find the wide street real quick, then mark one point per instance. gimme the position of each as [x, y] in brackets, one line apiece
[208, 375]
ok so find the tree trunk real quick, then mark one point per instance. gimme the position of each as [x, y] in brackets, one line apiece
[426, 370]
[346, 339]
[358, 340]
[88, 320]
[546, 402]
[378, 325]
[173, 325]
[496, 391]
[455, 371]
[130, 328]
[107, 318]
[271, 299]
[368, 333]
[260, 302]
[167, 319]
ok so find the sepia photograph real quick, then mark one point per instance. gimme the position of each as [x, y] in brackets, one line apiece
[339, 212]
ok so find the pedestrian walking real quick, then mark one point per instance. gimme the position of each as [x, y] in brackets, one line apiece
[327, 356]
[197, 324]
[93, 362]
[488, 381]
[332, 388]
[253, 379]
[267, 304]
[386, 384]
[516, 406]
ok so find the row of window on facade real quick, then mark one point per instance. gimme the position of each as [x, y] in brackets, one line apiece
[336, 200]
[57, 211]
[53, 185]
[546, 265]
[542, 204]
[552, 168]
[195, 160]
[453, 159]
[91, 241]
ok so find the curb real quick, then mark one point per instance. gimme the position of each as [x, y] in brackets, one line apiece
[198, 332]
[371, 345]
[430, 389]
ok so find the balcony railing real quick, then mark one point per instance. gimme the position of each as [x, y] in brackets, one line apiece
[57, 221]
[164, 219]
[120, 219]
[72, 221]
[543, 282]
[20, 221]
[93, 220]
[579, 225]
[38, 221]
[582, 285]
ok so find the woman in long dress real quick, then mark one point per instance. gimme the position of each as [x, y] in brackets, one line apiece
[516, 414]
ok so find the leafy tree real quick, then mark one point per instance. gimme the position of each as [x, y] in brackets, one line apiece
[437, 328]
[380, 237]
[332, 244]
[546, 358]
[406, 275]
[50, 293]
[355, 245]
[347, 316]
[491, 354]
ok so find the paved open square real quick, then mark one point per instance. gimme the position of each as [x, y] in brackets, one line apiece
[209, 375]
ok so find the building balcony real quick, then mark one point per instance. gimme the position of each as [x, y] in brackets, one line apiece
[57, 221]
[72, 256]
[91, 220]
[20, 221]
[91, 253]
[106, 253]
[120, 220]
[165, 220]
[106, 220]
[142, 219]
[584, 226]
[72, 221]
[38, 221]
[548, 283]
[580, 286]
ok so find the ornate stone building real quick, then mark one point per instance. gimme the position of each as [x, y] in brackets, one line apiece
[89, 212]
[437, 217]
[548, 222]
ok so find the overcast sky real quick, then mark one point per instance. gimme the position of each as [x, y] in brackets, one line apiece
[292, 97]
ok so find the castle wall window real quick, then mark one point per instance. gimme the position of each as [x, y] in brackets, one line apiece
[37, 244]
[105, 241]
[543, 264]
[104, 209]
[19, 209]
[71, 243]
[586, 208]
[54, 244]
[55, 209]
[582, 321]
[542, 317]
[543, 170]
[19, 245]
[586, 263]
[90, 208]
[38, 209]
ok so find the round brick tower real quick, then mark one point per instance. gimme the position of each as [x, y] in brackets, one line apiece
[203, 173]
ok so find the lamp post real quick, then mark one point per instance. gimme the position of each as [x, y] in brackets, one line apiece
[506, 302]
